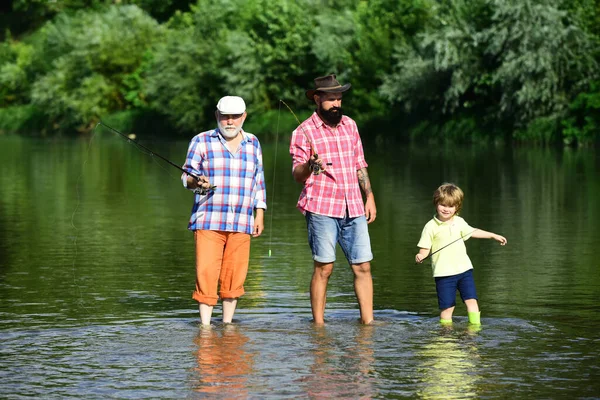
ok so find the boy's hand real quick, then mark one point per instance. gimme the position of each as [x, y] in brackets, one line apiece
[419, 258]
[501, 239]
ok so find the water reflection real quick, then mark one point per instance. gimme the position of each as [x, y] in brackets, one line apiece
[223, 362]
[450, 364]
[343, 365]
[116, 318]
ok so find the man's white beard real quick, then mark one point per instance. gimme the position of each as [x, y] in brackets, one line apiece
[229, 132]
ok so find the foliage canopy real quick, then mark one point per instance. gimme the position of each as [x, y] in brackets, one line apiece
[455, 69]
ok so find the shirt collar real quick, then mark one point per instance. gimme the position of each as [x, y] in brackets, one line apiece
[215, 133]
[440, 222]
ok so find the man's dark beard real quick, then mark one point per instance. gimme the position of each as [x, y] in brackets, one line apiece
[333, 116]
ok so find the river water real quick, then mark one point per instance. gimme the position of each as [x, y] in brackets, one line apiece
[96, 276]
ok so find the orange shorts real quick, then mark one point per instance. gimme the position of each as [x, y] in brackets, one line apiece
[221, 262]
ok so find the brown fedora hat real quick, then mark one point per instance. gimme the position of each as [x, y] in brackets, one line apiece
[327, 84]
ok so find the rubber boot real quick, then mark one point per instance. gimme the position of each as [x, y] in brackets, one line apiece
[475, 317]
[445, 321]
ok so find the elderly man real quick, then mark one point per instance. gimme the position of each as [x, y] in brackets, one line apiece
[328, 158]
[228, 207]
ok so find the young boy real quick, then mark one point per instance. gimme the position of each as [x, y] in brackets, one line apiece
[443, 237]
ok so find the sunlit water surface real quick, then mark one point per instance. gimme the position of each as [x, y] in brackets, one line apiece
[96, 275]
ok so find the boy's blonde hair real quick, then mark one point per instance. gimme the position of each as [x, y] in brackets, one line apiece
[448, 194]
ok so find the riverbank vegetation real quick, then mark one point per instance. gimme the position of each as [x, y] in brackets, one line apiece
[459, 70]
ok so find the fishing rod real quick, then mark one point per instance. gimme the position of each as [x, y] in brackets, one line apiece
[200, 190]
[442, 248]
[316, 168]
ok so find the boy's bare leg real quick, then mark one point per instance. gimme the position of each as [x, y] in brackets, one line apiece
[318, 290]
[446, 314]
[472, 305]
[363, 287]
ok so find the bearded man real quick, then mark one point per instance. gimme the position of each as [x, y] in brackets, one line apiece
[328, 159]
[229, 204]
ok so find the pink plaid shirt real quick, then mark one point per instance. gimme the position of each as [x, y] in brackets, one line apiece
[336, 189]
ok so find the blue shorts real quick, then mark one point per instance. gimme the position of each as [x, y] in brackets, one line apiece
[446, 287]
[351, 233]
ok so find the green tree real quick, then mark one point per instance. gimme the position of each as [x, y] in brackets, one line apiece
[441, 73]
[381, 27]
[514, 61]
[582, 124]
[15, 62]
[22, 16]
[93, 57]
[543, 58]
[257, 50]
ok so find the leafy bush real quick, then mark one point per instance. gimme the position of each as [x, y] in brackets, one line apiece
[93, 57]
[256, 50]
[582, 124]
[15, 72]
[516, 61]
[540, 130]
[26, 119]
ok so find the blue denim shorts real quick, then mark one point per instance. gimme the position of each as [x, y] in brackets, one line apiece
[446, 287]
[351, 233]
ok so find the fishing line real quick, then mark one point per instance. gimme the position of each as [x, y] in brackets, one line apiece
[151, 153]
[315, 167]
[141, 148]
[272, 195]
[442, 248]
[273, 186]
[81, 302]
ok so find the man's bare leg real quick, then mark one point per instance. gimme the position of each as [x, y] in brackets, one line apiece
[363, 287]
[318, 290]
[205, 313]
[228, 310]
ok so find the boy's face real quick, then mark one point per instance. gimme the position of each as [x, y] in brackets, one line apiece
[445, 213]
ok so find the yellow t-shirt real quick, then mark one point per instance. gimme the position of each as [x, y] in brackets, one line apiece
[452, 260]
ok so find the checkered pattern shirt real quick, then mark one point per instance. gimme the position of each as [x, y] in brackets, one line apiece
[239, 179]
[336, 189]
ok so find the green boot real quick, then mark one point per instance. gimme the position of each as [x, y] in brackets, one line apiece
[474, 317]
[445, 321]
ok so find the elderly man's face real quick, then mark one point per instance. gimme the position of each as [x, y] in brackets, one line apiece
[230, 125]
[329, 107]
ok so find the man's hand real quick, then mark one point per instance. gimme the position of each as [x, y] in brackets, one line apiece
[200, 185]
[315, 164]
[202, 181]
[259, 225]
[370, 209]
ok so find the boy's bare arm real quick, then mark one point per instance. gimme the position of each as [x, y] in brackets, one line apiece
[481, 234]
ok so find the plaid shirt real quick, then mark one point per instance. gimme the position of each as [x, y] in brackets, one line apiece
[239, 179]
[336, 189]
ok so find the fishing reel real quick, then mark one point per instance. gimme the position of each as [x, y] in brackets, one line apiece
[316, 168]
[202, 191]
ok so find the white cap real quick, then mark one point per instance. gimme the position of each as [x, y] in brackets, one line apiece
[231, 105]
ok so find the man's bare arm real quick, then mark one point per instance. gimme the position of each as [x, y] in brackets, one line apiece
[364, 181]
[365, 184]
